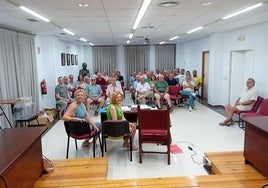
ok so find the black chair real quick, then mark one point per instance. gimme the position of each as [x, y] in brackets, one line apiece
[115, 128]
[80, 130]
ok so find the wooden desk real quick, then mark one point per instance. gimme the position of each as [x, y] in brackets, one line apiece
[256, 143]
[21, 161]
[11, 102]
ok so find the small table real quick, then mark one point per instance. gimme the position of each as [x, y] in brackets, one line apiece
[11, 102]
[27, 119]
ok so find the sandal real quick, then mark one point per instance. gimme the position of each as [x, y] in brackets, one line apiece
[224, 123]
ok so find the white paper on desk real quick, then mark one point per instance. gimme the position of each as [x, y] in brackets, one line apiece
[125, 108]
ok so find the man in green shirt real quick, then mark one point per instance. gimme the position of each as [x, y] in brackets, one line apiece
[161, 92]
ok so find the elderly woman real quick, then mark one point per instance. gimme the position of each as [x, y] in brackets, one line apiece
[114, 112]
[77, 112]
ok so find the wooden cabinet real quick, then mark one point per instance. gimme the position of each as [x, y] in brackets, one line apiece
[256, 143]
[21, 161]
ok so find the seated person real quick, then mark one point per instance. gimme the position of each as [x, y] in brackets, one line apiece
[134, 87]
[77, 112]
[94, 94]
[198, 80]
[161, 91]
[62, 96]
[188, 90]
[112, 88]
[244, 102]
[114, 112]
[100, 80]
[72, 84]
[171, 80]
[143, 91]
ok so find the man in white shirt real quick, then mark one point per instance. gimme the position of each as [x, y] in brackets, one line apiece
[143, 91]
[245, 102]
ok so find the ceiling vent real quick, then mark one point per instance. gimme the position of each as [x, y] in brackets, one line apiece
[168, 3]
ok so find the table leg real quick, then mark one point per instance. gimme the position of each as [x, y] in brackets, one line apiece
[6, 116]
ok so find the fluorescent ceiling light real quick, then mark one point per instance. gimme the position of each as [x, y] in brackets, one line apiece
[144, 7]
[173, 38]
[130, 36]
[196, 29]
[67, 31]
[128, 41]
[206, 3]
[82, 5]
[82, 39]
[34, 14]
[242, 11]
[90, 43]
[163, 42]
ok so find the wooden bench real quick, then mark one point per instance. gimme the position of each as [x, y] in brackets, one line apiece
[229, 169]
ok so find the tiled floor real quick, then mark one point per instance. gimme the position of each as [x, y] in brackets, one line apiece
[198, 129]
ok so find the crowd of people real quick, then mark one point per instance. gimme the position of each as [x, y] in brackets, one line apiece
[101, 90]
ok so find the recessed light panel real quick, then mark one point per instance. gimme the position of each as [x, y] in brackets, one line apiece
[168, 3]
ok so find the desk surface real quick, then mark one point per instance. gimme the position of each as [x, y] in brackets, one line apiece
[9, 101]
[260, 122]
[15, 141]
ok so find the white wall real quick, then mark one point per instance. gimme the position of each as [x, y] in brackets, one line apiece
[49, 64]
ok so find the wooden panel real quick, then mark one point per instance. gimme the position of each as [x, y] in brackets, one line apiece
[233, 173]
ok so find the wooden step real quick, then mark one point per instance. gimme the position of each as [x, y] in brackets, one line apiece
[230, 172]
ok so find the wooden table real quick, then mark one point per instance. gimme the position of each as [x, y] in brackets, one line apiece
[10, 102]
[256, 143]
[21, 161]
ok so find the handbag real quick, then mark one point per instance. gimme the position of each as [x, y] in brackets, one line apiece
[48, 165]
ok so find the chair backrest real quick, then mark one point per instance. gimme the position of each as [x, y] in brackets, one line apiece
[115, 128]
[264, 107]
[154, 119]
[257, 104]
[174, 90]
[78, 130]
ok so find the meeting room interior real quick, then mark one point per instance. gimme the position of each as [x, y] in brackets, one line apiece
[109, 67]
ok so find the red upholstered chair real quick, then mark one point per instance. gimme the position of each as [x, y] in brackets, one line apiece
[154, 127]
[253, 110]
[262, 112]
[80, 131]
[174, 92]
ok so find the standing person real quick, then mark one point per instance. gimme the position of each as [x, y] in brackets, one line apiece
[161, 91]
[188, 90]
[77, 112]
[114, 112]
[245, 102]
[62, 96]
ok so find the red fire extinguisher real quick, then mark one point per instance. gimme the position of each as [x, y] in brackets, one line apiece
[43, 87]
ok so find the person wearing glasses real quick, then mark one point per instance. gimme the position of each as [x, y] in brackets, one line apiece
[94, 96]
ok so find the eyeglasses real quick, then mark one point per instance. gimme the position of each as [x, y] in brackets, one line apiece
[93, 80]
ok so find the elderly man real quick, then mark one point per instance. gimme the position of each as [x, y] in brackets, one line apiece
[161, 91]
[143, 91]
[94, 94]
[245, 102]
[62, 96]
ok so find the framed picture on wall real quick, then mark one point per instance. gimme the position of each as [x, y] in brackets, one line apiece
[63, 63]
[76, 59]
[68, 59]
[72, 59]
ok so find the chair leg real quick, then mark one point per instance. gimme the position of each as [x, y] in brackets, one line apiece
[94, 145]
[168, 150]
[140, 152]
[67, 152]
[103, 145]
[76, 144]
[130, 141]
